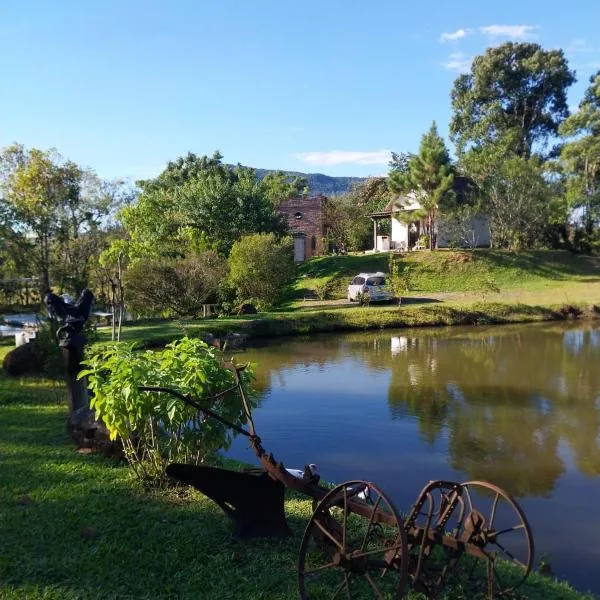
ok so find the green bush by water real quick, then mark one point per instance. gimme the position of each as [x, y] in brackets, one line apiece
[157, 428]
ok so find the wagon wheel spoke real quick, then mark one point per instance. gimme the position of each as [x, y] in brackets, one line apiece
[373, 586]
[362, 546]
[378, 551]
[493, 513]
[356, 540]
[510, 555]
[329, 535]
[507, 530]
[516, 549]
[339, 589]
[347, 583]
[311, 572]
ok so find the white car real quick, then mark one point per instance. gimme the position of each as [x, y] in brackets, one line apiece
[372, 285]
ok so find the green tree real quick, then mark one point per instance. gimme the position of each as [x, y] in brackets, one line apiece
[177, 287]
[400, 161]
[581, 155]
[279, 187]
[346, 216]
[429, 176]
[199, 203]
[57, 206]
[36, 188]
[518, 194]
[514, 95]
[518, 201]
[259, 266]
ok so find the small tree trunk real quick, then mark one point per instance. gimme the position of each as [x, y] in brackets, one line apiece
[113, 309]
[430, 227]
[121, 296]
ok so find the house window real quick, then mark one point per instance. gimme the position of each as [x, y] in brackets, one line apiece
[313, 243]
[298, 216]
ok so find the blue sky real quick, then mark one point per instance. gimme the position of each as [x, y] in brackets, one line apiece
[123, 86]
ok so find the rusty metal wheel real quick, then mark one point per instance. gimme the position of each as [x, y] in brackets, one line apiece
[349, 555]
[493, 520]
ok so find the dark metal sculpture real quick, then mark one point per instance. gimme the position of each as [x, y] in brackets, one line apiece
[357, 545]
[71, 339]
[82, 425]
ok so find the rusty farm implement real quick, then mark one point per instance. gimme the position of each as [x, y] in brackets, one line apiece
[357, 544]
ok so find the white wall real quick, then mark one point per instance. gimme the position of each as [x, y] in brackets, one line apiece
[399, 233]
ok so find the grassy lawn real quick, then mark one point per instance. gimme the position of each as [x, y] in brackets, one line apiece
[448, 288]
[77, 526]
[460, 273]
[417, 313]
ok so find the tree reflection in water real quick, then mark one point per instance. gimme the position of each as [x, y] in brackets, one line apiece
[491, 393]
[506, 398]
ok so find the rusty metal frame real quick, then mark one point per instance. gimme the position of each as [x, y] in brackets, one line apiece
[265, 515]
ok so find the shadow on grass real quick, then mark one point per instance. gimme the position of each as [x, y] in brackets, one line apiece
[418, 300]
[76, 526]
[550, 264]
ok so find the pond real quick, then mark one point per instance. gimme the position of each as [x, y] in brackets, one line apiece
[515, 405]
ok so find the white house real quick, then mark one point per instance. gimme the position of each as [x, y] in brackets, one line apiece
[405, 233]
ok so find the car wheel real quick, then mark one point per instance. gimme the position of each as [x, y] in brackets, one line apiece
[350, 298]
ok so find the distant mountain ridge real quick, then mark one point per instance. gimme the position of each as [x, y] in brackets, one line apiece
[319, 183]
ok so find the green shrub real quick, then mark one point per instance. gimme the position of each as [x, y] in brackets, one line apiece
[156, 428]
[363, 299]
[175, 287]
[400, 279]
[324, 289]
[259, 266]
[424, 240]
[52, 355]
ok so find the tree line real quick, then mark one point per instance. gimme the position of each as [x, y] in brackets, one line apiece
[204, 231]
[525, 163]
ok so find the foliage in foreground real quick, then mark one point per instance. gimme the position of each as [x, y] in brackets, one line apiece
[77, 527]
[156, 428]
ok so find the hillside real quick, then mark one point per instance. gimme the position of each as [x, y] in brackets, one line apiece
[551, 275]
[319, 183]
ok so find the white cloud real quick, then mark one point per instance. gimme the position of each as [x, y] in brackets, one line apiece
[514, 32]
[458, 61]
[342, 157]
[589, 67]
[455, 35]
[578, 47]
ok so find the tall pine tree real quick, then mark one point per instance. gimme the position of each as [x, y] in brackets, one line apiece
[430, 176]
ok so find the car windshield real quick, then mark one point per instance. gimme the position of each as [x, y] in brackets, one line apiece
[376, 281]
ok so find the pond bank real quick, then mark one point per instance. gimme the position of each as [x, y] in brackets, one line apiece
[275, 324]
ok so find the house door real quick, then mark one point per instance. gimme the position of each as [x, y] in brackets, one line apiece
[299, 249]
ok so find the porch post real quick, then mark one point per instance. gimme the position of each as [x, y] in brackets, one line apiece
[374, 234]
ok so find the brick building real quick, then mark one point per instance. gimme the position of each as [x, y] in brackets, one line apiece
[306, 223]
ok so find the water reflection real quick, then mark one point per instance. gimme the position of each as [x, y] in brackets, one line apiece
[518, 406]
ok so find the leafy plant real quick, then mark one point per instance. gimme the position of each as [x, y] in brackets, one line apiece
[156, 428]
[363, 298]
[260, 265]
[488, 285]
[400, 279]
[175, 286]
[324, 289]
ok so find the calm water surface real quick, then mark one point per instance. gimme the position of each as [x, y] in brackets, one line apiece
[517, 406]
